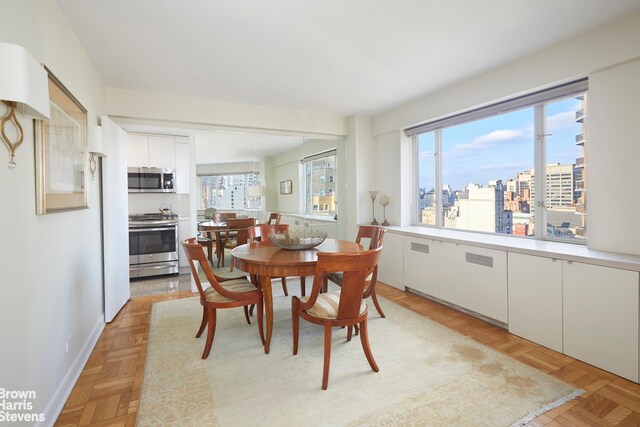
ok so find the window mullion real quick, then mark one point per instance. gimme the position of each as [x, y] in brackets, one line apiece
[438, 180]
[540, 169]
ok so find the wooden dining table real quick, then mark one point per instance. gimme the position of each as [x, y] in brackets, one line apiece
[266, 260]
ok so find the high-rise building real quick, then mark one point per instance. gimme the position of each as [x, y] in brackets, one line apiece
[481, 208]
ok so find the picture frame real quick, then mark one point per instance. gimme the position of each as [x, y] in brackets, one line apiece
[286, 187]
[61, 152]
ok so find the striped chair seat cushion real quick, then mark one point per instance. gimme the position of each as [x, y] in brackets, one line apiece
[238, 285]
[326, 306]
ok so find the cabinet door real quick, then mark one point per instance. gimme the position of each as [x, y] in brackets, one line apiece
[137, 151]
[390, 270]
[183, 164]
[421, 265]
[535, 299]
[600, 314]
[447, 266]
[481, 281]
[161, 152]
[184, 232]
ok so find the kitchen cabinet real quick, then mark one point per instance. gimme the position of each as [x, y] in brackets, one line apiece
[600, 317]
[183, 166]
[535, 299]
[184, 232]
[150, 151]
[390, 267]
[421, 265]
[481, 281]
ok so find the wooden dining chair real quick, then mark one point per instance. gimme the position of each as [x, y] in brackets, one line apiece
[344, 307]
[261, 232]
[274, 218]
[223, 216]
[376, 236]
[235, 234]
[229, 294]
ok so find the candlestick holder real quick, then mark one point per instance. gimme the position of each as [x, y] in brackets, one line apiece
[384, 201]
[373, 195]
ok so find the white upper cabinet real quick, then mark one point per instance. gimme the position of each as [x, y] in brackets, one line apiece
[162, 152]
[182, 168]
[137, 151]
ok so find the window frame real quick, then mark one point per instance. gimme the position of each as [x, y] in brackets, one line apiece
[246, 202]
[331, 212]
[538, 100]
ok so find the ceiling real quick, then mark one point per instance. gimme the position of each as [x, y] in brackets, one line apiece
[330, 56]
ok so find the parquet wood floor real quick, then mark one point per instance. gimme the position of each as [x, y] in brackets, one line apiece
[108, 390]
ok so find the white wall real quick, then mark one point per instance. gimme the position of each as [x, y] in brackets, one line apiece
[51, 265]
[612, 139]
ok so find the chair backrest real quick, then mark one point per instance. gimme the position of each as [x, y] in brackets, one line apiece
[195, 254]
[356, 267]
[274, 218]
[223, 216]
[259, 233]
[374, 233]
[241, 226]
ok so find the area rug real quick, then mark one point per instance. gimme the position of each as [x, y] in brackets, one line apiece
[429, 375]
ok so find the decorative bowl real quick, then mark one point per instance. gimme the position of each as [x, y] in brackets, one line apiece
[298, 240]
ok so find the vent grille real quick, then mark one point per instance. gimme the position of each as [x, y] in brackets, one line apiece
[420, 247]
[483, 260]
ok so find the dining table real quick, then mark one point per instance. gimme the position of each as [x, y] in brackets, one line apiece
[265, 260]
[216, 228]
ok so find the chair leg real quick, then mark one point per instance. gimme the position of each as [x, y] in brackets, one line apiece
[203, 324]
[211, 314]
[284, 287]
[327, 356]
[349, 332]
[303, 286]
[251, 309]
[295, 324]
[260, 319]
[365, 345]
[376, 303]
[246, 314]
[325, 285]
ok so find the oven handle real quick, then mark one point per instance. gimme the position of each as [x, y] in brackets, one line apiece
[140, 230]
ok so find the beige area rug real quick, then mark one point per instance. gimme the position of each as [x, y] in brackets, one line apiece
[429, 375]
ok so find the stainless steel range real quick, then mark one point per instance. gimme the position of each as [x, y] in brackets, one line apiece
[153, 244]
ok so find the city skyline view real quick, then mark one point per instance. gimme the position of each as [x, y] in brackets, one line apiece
[499, 147]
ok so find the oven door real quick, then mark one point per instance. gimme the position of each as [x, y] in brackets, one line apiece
[153, 244]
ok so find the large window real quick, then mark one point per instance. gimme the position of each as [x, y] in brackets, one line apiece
[513, 168]
[228, 191]
[320, 183]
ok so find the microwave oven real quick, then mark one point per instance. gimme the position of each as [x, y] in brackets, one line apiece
[151, 180]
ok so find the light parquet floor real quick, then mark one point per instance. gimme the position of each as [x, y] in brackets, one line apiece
[108, 390]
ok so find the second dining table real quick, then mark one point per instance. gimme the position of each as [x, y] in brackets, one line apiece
[266, 261]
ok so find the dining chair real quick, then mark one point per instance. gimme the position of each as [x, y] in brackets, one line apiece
[235, 234]
[261, 232]
[376, 236]
[344, 307]
[229, 294]
[274, 218]
[223, 216]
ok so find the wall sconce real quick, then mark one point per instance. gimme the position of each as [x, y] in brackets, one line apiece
[23, 83]
[96, 149]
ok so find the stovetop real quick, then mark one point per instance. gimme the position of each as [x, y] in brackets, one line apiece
[152, 217]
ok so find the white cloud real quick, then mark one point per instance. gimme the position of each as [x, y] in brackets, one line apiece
[561, 121]
[482, 142]
[506, 166]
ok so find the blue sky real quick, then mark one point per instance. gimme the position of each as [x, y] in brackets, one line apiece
[499, 147]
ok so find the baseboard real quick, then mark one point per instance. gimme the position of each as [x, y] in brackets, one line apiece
[60, 396]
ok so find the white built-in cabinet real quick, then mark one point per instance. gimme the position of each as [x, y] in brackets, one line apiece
[390, 266]
[161, 151]
[183, 166]
[470, 277]
[585, 311]
[600, 317]
[184, 232]
[535, 299]
[421, 265]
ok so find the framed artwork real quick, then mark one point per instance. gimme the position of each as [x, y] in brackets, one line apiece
[285, 187]
[61, 150]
